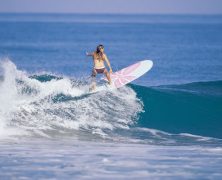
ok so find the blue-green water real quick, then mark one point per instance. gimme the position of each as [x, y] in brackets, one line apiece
[192, 108]
[165, 124]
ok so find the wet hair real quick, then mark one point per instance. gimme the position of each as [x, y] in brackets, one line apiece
[98, 48]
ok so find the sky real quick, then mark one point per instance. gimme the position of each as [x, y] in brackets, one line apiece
[113, 6]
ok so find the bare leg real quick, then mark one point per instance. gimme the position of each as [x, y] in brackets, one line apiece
[108, 76]
[93, 80]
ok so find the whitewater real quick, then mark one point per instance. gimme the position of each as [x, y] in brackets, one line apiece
[61, 105]
[165, 125]
[50, 123]
[51, 105]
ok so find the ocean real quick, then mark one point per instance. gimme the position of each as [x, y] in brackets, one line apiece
[165, 125]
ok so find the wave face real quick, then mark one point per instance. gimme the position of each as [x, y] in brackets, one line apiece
[194, 108]
[48, 105]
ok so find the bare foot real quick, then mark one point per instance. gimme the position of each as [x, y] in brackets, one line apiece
[93, 87]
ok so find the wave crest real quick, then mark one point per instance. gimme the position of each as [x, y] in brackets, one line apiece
[47, 105]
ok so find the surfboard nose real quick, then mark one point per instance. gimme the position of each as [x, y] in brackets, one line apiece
[147, 63]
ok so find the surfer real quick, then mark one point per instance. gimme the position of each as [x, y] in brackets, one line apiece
[99, 67]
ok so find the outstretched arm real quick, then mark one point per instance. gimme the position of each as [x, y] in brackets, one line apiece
[108, 63]
[89, 54]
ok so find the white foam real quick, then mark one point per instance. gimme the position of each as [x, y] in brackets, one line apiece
[197, 137]
[33, 106]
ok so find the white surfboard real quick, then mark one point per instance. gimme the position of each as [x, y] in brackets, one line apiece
[127, 75]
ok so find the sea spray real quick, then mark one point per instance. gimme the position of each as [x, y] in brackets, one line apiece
[61, 106]
[8, 97]
[46, 105]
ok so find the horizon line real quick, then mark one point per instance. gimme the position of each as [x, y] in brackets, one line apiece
[96, 13]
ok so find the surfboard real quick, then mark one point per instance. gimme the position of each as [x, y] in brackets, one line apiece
[127, 75]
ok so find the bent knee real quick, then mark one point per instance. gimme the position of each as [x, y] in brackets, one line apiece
[105, 71]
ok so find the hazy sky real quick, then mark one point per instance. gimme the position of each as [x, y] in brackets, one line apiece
[114, 6]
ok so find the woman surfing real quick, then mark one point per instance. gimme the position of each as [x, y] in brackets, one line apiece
[99, 57]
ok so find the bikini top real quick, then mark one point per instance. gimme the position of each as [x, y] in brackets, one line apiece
[99, 58]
